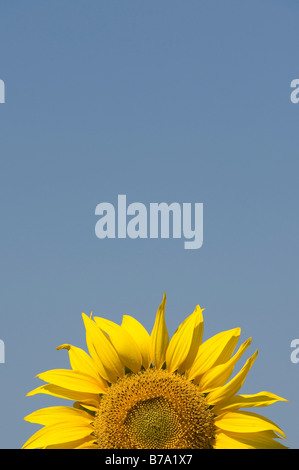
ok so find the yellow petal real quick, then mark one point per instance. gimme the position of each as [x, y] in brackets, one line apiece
[249, 401]
[54, 414]
[246, 422]
[185, 342]
[159, 337]
[102, 351]
[216, 350]
[218, 375]
[123, 342]
[141, 337]
[84, 407]
[85, 443]
[256, 440]
[222, 394]
[82, 362]
[73, 380]
[58, 434]
[60, 392]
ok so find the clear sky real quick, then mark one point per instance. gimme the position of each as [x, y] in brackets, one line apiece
[166, 101]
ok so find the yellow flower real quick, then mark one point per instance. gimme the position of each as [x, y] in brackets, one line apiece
[137, 391]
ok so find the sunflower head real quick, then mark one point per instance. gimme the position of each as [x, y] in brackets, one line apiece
[135, 390]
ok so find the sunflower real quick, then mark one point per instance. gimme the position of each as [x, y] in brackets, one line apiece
[139, 391]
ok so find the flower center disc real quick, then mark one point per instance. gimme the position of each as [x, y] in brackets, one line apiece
[153, 422]
[154, 409]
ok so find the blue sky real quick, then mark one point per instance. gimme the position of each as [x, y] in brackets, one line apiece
[165, 102]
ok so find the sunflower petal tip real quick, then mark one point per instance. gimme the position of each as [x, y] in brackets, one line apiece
[63, 346]
[199, 308]
[86, 317]
[284, 399]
